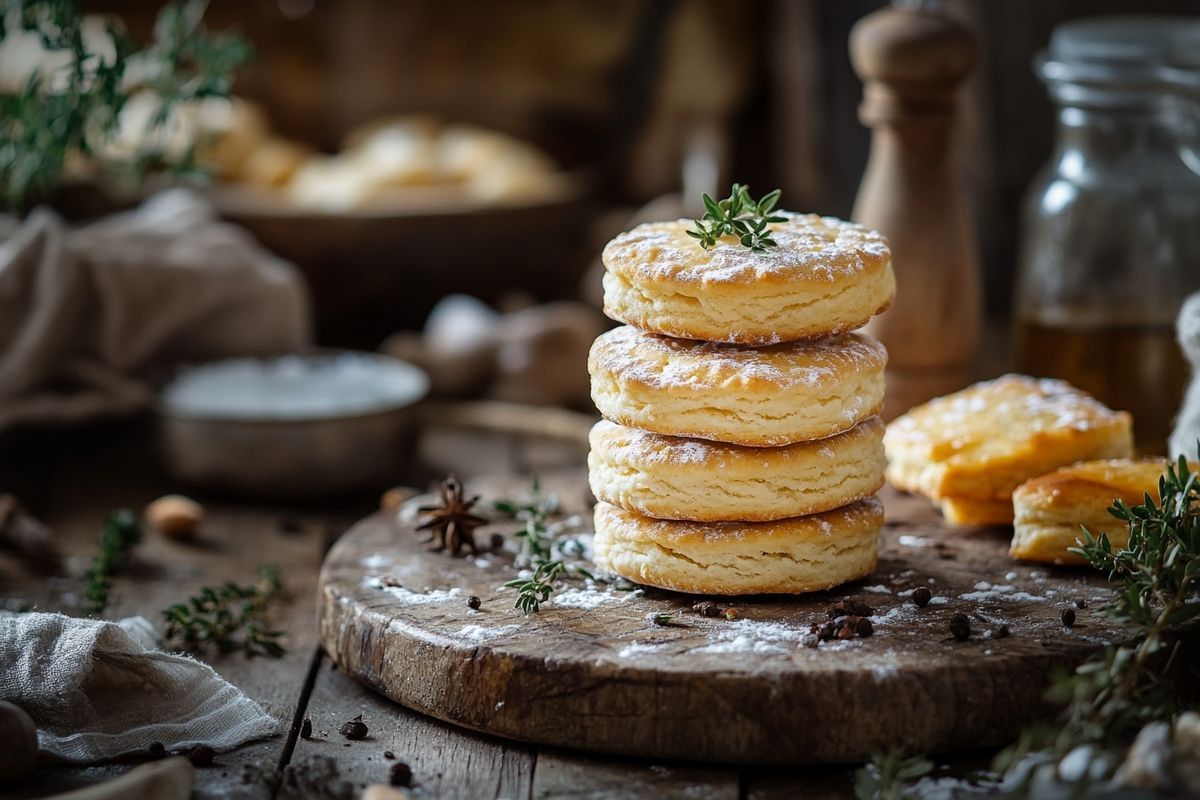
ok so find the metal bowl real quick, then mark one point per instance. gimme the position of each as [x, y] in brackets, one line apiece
[296, 457]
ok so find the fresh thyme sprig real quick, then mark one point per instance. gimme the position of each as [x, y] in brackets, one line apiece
[74, 111]
[738, 215]
[229, 618]
[121, 533]
[887, 776]
[544, 541]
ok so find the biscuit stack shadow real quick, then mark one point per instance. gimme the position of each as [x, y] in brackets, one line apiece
[740, 452]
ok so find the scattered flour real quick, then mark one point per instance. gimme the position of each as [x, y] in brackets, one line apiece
[638, 648]
[589, 597]
[376, 561]
[412, 598]
[877, 589]
[478, 633]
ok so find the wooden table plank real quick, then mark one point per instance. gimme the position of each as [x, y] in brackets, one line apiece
[568, 776]
[446, 762]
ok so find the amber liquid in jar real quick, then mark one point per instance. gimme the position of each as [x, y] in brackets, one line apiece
[1134, 368]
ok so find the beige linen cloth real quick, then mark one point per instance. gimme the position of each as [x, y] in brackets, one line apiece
[98, 690]
[86, 312]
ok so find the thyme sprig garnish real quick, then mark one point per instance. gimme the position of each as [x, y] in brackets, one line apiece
[74, 111]
[544, 542]
[228, 618]
[887, 776]
[740, 216]
[1109, 697]
[121, 533]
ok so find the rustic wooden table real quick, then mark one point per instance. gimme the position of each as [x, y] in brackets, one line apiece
[72, 479]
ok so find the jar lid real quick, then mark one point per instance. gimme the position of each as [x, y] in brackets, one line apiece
[1128, 41]
[1122, 59]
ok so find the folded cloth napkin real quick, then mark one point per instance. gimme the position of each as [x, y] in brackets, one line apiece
[86, 312]
[98, 690]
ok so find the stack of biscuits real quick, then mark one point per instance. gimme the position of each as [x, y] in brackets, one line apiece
[740, 449]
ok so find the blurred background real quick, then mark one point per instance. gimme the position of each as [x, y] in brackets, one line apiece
[436, 180]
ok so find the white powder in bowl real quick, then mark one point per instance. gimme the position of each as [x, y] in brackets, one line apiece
[296, 387]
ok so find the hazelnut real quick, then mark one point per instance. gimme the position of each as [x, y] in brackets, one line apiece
[175, 516]
[393, 498]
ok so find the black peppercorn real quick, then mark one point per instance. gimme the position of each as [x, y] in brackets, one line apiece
[960, 627]
[1001, 632]
[707, 608]
[1068, 617]
[389, 755]
[400, 774]
[156, 750]
[864, 627]
[473, 602]
[354, 729]
[497, 541]
[306, 729]
[850, 607]
[826, 631]
[921, 596]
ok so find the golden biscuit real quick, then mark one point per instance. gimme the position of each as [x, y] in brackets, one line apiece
[804, 554]
[825, 277]
[1052, 509]
[968, 512]
[691, 479]
[971, 449]
[760, 397]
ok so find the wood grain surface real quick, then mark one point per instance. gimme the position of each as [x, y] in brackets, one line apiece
[593, 671]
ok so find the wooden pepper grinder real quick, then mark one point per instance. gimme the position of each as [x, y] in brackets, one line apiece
[912, 59]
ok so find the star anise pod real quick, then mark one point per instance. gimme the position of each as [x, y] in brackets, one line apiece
[452, 523]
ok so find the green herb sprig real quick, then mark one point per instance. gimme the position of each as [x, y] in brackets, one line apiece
[544, 540]
[42, 126]
[228, 618]
[121, 533]
[887, 776]
[738, 215]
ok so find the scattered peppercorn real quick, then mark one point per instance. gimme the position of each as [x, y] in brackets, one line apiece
[1001, 632]
[707, 608]
[960, 627]
[306, 729]
[825, 631]
[473, 602]
[400, 774]
[731, 613]
[850, 608]
[921, 596]
[1068, 617]
[201, 755]
[389, 755]
[864, 627]
[497, 541]
[156, 750]
[1080, 602]
[354, 729]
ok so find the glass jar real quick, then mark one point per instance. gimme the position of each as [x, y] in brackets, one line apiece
[1111, 226]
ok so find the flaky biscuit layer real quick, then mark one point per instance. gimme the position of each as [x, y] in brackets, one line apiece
[979, 444]
[825, 277]
[690, 479]
[760, 397]
[1050, 510]
[793, 556]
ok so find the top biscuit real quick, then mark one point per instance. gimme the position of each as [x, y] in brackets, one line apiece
[979, 444]
[825, 277]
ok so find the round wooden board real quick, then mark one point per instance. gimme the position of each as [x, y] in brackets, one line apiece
[592, 671]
